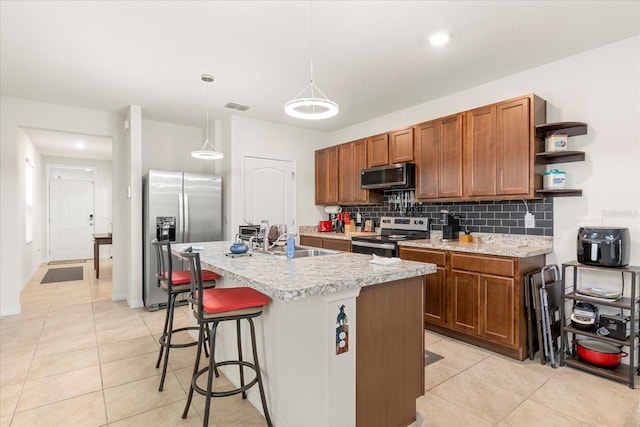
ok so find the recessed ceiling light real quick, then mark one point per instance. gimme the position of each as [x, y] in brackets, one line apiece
[439, 39]
[79, 145]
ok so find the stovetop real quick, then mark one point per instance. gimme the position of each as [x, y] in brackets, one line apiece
[397, 229]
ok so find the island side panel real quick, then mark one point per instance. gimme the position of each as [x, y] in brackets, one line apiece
[306, 383]
[390, 353]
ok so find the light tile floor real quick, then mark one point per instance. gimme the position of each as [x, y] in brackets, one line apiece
[76, 358]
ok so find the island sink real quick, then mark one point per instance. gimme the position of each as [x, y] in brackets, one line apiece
[300, 251]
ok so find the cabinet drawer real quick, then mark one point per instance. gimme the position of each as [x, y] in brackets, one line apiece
[337, 244]
[482, 264]
[311, 241]
[422, 255]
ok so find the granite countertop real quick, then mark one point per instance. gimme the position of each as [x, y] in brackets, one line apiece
[512, 245]
[291, 279]
[312, 231]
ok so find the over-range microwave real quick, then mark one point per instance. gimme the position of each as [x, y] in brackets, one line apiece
[399, 175]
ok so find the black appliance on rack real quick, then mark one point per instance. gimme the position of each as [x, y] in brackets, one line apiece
[603, 246]
[392, 231]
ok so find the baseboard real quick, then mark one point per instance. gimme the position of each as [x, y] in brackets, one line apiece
[136, 303]
[118, 297]
[10, 311]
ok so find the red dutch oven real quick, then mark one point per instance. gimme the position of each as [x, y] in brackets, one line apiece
[599, 353]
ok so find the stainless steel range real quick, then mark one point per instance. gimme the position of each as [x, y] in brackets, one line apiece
[392, 231]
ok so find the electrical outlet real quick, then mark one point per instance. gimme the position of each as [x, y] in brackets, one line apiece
[529, 220]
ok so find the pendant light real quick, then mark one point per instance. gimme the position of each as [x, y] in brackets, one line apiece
[311, 103]
[208, 151]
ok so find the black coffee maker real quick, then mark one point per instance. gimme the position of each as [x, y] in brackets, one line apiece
[450, 226]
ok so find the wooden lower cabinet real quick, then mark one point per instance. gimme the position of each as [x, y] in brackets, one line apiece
[435, 284]
[337, 244]
[477, 298]
[316, 242]
[326, 243]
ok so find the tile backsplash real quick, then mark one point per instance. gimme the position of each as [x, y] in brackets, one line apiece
[505, 217]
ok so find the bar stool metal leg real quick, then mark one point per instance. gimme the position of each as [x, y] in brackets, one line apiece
[240, 366]
[167, 340]
[263, 397]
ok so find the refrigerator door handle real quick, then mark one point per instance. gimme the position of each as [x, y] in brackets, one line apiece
[180, 231]
[186, 218]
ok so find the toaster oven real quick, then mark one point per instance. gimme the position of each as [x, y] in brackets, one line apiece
[246, 231]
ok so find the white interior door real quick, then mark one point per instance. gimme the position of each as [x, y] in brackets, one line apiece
[269, 191]
[71, 205]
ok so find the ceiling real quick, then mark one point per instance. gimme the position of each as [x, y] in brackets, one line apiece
[371, 57]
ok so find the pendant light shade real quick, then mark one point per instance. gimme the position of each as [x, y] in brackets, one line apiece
[208, 151]
[311, 103]
[311, 107]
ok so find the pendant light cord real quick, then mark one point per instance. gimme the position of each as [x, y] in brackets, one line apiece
[206, 100]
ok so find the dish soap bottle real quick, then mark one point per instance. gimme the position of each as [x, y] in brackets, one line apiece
[291, 245]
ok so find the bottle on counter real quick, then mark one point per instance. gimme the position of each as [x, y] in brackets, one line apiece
[291, 245]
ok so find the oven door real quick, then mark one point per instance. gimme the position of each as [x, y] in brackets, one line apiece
[387, 250]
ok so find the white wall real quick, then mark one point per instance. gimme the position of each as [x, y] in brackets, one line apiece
[271, 140]
[600, 87]
[168, 146]
[35, 252]
[17, 113]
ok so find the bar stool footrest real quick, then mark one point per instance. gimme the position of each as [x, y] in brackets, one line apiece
[235, 391]
[163, 338]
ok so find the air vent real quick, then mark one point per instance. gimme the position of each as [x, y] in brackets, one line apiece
[238, 107]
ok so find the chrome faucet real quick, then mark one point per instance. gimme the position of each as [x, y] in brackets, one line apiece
[264, 231]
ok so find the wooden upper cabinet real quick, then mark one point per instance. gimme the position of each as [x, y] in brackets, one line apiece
[500, 147]
[326, 175]
[359, 163]
[450, 157]
[346, 172]
[479, 152]
[513, 132]
[427, 160]
[401, 146]
[352, 158]
[438, 148]
[378, 150]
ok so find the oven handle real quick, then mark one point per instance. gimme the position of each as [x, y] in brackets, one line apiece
[373, 245]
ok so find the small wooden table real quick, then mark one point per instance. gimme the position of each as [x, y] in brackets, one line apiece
[99, 239]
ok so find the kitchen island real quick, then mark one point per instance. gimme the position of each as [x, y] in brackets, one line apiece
[370, 375]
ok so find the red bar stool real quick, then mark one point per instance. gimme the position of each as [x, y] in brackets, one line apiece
[174, 283]
[210, 307]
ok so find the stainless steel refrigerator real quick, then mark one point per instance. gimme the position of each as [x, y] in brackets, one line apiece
[182, 207]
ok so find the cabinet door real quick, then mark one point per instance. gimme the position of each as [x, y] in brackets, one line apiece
[326, 175]
[479, 152]
[337, 244]
[513, 148]
[359, 163]
[450, 157]
[434, 298]
[497, 309]
[436, 283]
[316, 242]
[465, 300]
[346, 172]
[426, 135]
[321, 183]
[378, 150]
[401, 146]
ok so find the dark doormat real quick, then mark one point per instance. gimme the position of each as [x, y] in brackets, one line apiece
[430, 358]
[65, 274]
[66, 261]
